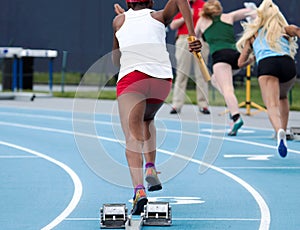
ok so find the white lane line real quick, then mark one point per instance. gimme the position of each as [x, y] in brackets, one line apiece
[217, 219]
[57, 118]
[76, 181]
[16, 157]
[264, 168]
[39, 128]
[251, 157]
[264, 209]
[173, 218]
[164, 130]
[230, 139]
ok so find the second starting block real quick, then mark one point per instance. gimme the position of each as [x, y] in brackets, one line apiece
[113, 216]
[295, 133]
[158, 213]
[155, 214]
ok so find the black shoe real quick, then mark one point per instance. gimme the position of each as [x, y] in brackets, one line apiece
[174, 111]
[139, 201]
[204, 110]
[152, 179]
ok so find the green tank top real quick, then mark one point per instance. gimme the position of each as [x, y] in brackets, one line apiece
[219, 35]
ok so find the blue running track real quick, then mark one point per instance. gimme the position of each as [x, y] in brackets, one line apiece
[55, 173]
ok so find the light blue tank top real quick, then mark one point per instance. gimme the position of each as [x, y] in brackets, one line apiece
[263, 50]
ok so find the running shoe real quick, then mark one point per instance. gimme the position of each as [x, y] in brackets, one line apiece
[152, 179]
[139, 201]
[236, 126]
[281, 143]
[204, 110]
[175, 111]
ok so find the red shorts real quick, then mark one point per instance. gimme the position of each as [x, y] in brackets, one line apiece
[155, 90]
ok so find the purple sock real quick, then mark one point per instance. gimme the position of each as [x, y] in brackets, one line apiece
[140, 186]
[150, 165]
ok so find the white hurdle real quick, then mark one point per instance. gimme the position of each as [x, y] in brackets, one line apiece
[17, 53]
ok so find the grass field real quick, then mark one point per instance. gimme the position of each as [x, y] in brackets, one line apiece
[215, 98]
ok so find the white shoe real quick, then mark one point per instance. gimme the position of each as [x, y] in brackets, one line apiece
[281, 143]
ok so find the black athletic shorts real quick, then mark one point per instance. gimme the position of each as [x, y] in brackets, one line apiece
[282, 67]
[228, 56]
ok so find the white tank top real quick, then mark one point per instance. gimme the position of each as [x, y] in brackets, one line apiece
[142, 42]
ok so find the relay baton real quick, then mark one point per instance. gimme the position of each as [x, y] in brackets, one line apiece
[201, 62]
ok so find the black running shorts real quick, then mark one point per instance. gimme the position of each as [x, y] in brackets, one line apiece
[228, 56]
[282, 67]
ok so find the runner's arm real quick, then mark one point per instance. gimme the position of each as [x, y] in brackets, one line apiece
[176, 23]
[240, 14]
[116, 54]
[171, 9]
[246, 58]
[292, 30]
[118, 9]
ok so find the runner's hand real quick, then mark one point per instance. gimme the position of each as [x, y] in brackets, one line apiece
[118, 9]
[195, 46]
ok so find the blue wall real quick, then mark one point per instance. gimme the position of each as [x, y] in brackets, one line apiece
[81, 27]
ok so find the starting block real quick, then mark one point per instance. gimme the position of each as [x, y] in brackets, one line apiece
[295, 133]
[113, 216]
[155, 214]
[158, 214]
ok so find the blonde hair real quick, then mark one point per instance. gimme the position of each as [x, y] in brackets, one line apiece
[272, 23]
[211, 9]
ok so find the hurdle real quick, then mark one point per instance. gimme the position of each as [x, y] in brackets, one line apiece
[248, 103]
[17, 53]
[37, 53]
[13, 53]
